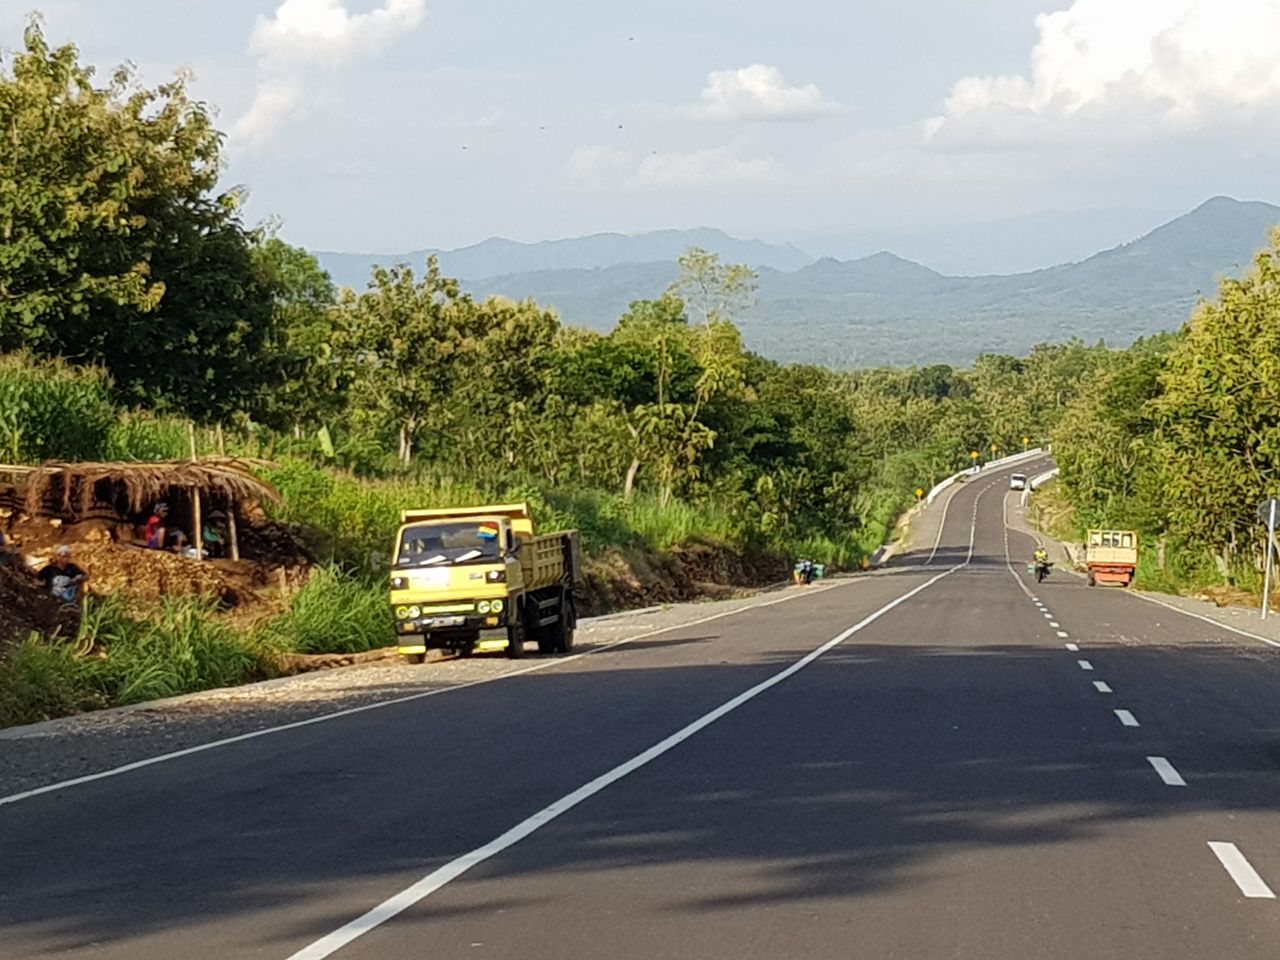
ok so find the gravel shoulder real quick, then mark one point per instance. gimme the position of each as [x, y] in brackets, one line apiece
[1245, 622]
[57, 750]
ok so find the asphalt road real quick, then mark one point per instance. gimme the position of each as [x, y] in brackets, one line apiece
[912, 764]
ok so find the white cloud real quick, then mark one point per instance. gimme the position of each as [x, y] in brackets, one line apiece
[303, 43]
[310, 28]
[1131, 69]
[759, 92]
[273, 103]
[599, 169]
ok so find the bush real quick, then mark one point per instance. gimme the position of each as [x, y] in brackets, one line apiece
[180, 648]
[334, 613]
[43, 679]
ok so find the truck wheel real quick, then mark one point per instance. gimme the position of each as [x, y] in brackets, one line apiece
[515, 638]
[546, 639]
[1093, 581]
[414, 658]
[562, 631]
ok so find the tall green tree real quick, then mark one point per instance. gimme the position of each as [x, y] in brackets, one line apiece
[311, 390]
[115, 246]
[443, 372]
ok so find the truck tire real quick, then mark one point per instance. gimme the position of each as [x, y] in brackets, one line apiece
[414, 658]
[562, 629]
[546, 639]
[1092, 580]
[515, 638]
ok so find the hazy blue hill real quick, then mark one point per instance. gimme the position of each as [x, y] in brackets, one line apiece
[884, 309]
[496, 256]
[882, 273]
[593, 298]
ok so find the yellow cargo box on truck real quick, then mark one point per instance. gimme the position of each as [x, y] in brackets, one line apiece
[1111, 556]
[462, 572]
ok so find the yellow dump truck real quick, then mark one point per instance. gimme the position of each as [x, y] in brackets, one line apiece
[466, 573]
[1111, 556]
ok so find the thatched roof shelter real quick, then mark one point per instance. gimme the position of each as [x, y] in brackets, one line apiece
[75, 487]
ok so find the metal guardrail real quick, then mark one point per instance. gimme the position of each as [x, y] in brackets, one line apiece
[1003, 462]
[1036, 482]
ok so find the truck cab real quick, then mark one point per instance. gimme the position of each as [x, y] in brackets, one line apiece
[462, 572]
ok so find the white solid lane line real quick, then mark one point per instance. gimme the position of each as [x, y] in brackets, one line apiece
[1168, 773]
[1085, 664]
[1127, 718]
[1073, 647]
[1241, 870]
[1102, 686]
[331, 943]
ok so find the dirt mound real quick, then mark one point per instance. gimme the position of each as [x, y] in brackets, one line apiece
[1229, 596]
[277, 561]
[626, 579]
[26, 607]
[148, 575]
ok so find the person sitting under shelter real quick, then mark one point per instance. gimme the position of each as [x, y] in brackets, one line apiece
[62, 577]
[214, 534]
[158, 535]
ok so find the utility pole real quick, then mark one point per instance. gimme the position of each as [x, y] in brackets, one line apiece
[1269, 511]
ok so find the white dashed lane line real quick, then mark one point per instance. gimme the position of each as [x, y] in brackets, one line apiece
[1063, 634]
[1073, 647]
[1102, 686]
[1127, 718]
[1168, 773]
[1241, 870]
[1085, 664]
[1055, 624]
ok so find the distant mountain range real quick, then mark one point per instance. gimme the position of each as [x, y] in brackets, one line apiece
[497, 257]
[883, 309]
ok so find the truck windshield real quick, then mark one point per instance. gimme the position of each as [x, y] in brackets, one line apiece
[447, 543]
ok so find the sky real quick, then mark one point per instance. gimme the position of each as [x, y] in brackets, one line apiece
[392, 125]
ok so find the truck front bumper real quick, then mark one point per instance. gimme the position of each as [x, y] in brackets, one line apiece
[416, 636]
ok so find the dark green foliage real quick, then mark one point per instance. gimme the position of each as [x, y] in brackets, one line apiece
[115, 248]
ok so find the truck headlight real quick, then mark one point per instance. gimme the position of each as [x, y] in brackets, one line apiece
[496, 606]
[402, 613]
[415, 613]
[482, 607]
[399, 583]
[496, 576]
